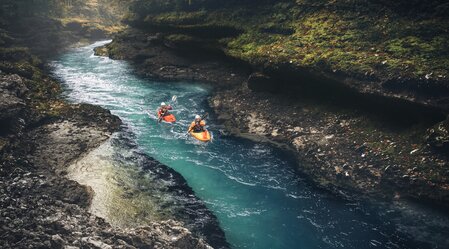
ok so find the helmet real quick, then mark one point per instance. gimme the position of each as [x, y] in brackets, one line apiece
[163, 103]
[197, 117]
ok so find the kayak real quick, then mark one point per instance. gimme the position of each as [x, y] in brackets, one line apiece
[170, 118]
[202, 136]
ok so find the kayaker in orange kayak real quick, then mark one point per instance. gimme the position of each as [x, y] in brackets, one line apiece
[198, 125]
[163, 110]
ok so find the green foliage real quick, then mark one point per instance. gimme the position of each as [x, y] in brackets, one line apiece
[355, 37]
[107, 10]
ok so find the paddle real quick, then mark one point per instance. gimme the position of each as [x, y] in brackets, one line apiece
[173, 99]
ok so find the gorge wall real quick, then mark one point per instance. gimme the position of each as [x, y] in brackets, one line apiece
[358, 89]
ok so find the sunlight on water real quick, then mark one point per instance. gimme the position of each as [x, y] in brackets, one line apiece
[114, 198]
[253, 188]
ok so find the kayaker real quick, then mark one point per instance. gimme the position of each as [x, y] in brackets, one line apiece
[163, 110]
[198, 125]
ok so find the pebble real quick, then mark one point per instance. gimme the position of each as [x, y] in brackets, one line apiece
[414, 151]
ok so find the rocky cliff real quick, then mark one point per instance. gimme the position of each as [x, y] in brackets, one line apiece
[357, 89]
[398, 50]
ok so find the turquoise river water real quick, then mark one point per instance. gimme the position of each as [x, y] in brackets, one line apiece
[253, 188]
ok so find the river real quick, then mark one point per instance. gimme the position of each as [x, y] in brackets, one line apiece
[253, 188]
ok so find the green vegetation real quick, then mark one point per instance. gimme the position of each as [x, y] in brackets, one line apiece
[42, 94]
[43, 91]
[44, 26]
[358, 38]
[110, 11]
[56, 21]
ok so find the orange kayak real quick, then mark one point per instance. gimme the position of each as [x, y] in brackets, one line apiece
[169, 118]
[202, 136]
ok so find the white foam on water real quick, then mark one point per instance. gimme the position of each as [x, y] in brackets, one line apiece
[252, 187]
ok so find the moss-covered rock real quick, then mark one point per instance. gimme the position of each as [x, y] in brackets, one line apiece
[367, 45]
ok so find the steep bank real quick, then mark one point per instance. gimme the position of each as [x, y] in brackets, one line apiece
[40, 136]
[390, 149]
[395, 50]
[364, 84]
[153, 58]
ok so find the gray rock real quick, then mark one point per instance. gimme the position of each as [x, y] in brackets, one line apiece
[95, 243]
[12, 104]
[57, 241]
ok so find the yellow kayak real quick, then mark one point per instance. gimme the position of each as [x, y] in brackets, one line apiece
[202, 136]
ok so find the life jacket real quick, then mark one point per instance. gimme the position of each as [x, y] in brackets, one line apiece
[163, 112]
[198, 126]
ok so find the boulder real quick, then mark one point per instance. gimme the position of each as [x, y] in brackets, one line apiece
[101, 51]
[13, 84]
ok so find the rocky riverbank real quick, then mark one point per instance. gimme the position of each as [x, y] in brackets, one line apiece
[388, 149]
[41, 136]
[40, 207]
[132, 189]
